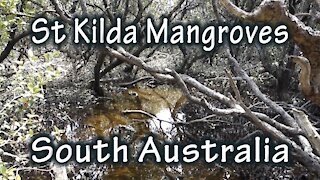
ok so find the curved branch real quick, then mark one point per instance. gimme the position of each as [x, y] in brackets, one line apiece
[234, 10]
[61, 13]
[181, 80]
[308, 40]
[275, 11]
[5, 53]
[305, 74]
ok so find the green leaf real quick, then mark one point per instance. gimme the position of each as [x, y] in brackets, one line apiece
[30, 132]
[30, 86]
[36, 90]
[56, 54]
[34, 58]
[18, 177]
[46, 57]
[3, 169]
[11, 170]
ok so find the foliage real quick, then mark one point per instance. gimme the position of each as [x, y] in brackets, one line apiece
[25, 91]
[26, 72]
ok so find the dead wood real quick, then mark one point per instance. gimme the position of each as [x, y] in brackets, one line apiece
[308, 40]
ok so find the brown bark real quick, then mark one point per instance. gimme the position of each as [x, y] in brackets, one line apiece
[305, 74]
[307, 127]
[306, 38]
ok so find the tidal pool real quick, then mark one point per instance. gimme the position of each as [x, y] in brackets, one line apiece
[142, 109]
[135, 113]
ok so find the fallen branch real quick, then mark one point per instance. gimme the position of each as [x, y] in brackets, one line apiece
[308, 40]
[182, 80]
[308, 129]
[309, 159]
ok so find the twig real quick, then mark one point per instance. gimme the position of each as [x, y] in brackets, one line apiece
[255, 89]
[124, 84]
[147, 114]
[5, 106]
[248, 136]
[257, 121]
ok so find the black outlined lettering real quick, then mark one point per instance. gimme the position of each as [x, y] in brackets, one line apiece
[97, 31]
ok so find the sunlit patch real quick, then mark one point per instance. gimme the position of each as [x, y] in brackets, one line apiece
[153, 110]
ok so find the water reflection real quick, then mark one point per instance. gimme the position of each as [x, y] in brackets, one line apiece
[133, 114]
[157, 107]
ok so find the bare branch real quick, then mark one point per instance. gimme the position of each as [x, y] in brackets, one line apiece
[170, 15]
[309, 157]
[5, 53]
[308, 129]
[61, 13]
[235, 10]
[255, 89]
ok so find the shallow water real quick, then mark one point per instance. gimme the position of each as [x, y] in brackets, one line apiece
[134, 114]
[145, 110]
